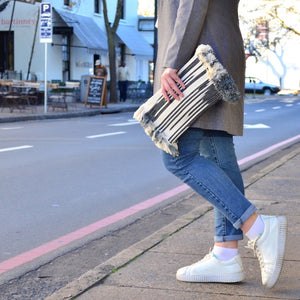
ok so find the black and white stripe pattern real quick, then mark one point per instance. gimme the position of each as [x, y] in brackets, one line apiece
[166, 121]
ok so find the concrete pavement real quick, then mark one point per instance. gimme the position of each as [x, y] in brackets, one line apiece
[147, 269]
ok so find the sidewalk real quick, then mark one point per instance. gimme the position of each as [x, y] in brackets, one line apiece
[74, 110]
[146, 270]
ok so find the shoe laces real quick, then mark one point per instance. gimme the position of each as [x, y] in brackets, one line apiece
[207, 256]
[252, 245]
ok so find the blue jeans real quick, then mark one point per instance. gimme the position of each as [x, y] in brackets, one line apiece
[208, 164]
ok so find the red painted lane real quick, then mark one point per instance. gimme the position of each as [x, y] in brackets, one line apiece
[268, 150]
[80, 233]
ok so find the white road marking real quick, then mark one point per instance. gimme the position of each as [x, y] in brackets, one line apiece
[276, 107]
[260, 110]
[104, 135]
[11, 128]
[125, 124]
[256, 126]
[289, 105]
[15, 148]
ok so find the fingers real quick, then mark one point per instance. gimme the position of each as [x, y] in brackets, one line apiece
[171, 85]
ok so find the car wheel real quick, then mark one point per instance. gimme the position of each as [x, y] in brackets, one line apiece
[267, 92]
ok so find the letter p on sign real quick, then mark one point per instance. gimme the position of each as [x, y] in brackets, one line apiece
[45, 8]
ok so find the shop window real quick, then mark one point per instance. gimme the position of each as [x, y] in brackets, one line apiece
[66, 57]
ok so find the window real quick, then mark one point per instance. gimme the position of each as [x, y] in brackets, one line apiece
[98, 6]
[123, 16]
[67, 2]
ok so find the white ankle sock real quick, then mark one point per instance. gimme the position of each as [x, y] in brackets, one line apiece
[257, 229]
[223, 253]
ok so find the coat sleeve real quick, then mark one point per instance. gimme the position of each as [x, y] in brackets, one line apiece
[189, 22]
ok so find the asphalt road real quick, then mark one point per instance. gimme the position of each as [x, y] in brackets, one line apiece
[61, 175]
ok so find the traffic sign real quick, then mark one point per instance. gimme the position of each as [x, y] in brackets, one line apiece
[46, 23]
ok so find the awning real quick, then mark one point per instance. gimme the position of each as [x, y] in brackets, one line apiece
[135, 41]
[86, 30]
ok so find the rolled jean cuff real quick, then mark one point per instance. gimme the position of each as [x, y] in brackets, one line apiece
[220, 239]
[245, 216]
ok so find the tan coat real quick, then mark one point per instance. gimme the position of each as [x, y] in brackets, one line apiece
[185, 24]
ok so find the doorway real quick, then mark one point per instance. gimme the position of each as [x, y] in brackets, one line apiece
[6, 51]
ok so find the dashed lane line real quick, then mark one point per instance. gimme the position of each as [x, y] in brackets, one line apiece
[15, 148]
[11, 128]
[104, 135]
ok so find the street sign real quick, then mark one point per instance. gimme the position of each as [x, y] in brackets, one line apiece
[46, 37]
[45, 23]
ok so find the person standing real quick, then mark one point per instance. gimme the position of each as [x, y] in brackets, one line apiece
[207, 161]
[123, 76]
[100, 69]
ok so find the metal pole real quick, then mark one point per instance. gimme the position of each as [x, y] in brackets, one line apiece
[46, 85]
[155, 34]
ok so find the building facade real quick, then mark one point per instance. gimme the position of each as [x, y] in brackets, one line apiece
[78, 40]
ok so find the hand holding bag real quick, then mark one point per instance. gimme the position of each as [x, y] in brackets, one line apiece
[206, 81]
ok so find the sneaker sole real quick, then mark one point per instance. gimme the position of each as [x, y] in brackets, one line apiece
[223, 278]
[281, 249]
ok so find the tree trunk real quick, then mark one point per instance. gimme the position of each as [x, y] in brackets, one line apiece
[111, 32]
[112, 67]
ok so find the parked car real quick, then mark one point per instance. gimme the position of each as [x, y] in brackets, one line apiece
[255, 85]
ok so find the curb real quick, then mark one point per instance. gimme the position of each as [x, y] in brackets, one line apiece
[100, 272]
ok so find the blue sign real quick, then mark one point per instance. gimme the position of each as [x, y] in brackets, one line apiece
[46, 23]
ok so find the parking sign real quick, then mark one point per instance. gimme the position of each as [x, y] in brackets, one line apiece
[45, 23]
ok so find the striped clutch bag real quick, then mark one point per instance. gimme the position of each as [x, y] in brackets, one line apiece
[206, 81]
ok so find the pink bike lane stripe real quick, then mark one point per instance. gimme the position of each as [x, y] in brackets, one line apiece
[80, 233]
[73, 236]
[268, 150]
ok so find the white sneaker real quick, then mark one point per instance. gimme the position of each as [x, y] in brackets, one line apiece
[211, 269]
[269, 248]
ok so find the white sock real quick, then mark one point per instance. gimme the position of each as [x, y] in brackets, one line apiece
[257, 229]
[223, 253]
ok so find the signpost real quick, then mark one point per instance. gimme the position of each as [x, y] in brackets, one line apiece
[45, 37]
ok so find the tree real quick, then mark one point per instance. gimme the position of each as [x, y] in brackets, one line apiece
[111, 30]
[267, 25]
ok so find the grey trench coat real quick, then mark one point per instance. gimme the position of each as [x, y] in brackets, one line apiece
[185, 24]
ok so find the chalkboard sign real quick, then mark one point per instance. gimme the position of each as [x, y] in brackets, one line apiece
[96, 91]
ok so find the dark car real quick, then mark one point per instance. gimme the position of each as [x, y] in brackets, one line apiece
[255, 85]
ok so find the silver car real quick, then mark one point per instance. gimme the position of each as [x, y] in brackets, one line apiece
[255, 85]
